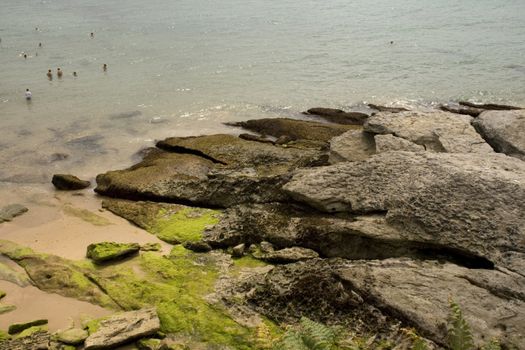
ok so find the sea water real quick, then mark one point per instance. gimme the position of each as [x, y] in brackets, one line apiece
[183, 67]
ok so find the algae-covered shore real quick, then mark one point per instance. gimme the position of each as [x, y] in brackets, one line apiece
[372, 224]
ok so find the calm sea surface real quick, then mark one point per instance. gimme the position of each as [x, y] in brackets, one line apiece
[182, 67]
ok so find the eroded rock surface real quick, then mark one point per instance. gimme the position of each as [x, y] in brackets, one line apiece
[504, 131]
[468, 202]
[389, 142]
[107, 251]
[123, 328]
[435, 131]
[214, 170]
[294, 129]
[353, 145]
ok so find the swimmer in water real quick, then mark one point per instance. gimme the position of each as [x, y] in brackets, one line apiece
[74, 74]
[49, 75]
[105, 67]
[391, 42]
[39, 44]
[92, 35]
[59, 73]
[25, 56]
[29, 95]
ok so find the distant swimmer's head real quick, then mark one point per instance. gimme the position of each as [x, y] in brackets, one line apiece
[49, 71]
[25, 56]
[105, 67]
[92, 35]
[39, 44]
[391, 42]
[74, 74]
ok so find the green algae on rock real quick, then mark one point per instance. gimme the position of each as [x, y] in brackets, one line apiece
[19, 327]
[56, 275]
[171, 223]
[72, 336]
[87, 216]
[107, 251]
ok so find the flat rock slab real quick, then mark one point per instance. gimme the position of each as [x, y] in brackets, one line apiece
[504, 131]
[489, 106]
[123, 328]
[294, 129]
[36, 341]
[419, 292]
[388, 142]
[69, 182]
[338, 116]
[108, 251]
[72, 336]
[19, 327]
[212, 171]
[470, 202]
[11, 211]
[436, 131]
[289, 255]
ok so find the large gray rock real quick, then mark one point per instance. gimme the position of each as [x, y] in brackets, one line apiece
[472, 203]
[351, 146]
[214, 170]
[504, 131]
[11, 211]
[419, 293]
[414, 292]
[385, 143]
[123, 328]
[436, 131]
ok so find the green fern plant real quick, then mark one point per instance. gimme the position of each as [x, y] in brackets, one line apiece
[459, 334]
[309, 335]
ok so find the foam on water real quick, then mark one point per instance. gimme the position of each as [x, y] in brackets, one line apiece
[183, 67]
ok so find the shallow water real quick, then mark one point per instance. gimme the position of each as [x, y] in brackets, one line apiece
[183, 67]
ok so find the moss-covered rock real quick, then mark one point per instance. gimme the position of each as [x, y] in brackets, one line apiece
[72, 336]
[56, 275]
[295, 129]
[171, 223]
[107, 251]
[151, 247]
[69, 182]
[2, 294]
[6, 308]
[86, 216]
[19, 327]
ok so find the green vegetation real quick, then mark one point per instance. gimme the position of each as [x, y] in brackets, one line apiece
[105, 251]
[248, 262]
[459, 334]
[30, 331]
[186, 225]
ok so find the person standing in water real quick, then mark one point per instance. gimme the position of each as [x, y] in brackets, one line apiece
[105, 67]
[49, 74]
[92, 35]
[59, 73]
[75, 74]
[28, 94]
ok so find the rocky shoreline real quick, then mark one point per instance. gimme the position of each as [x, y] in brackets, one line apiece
[372, 222]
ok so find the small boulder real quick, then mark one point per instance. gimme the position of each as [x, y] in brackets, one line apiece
[72, 336]
[198, 246]
[123, 328]
[69, 182]
[10, 211]
[238, 250]
[106, 251]
[19, 327]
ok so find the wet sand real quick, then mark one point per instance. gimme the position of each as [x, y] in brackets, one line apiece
[52, 225]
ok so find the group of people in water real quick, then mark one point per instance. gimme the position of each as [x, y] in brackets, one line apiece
[59, 72]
